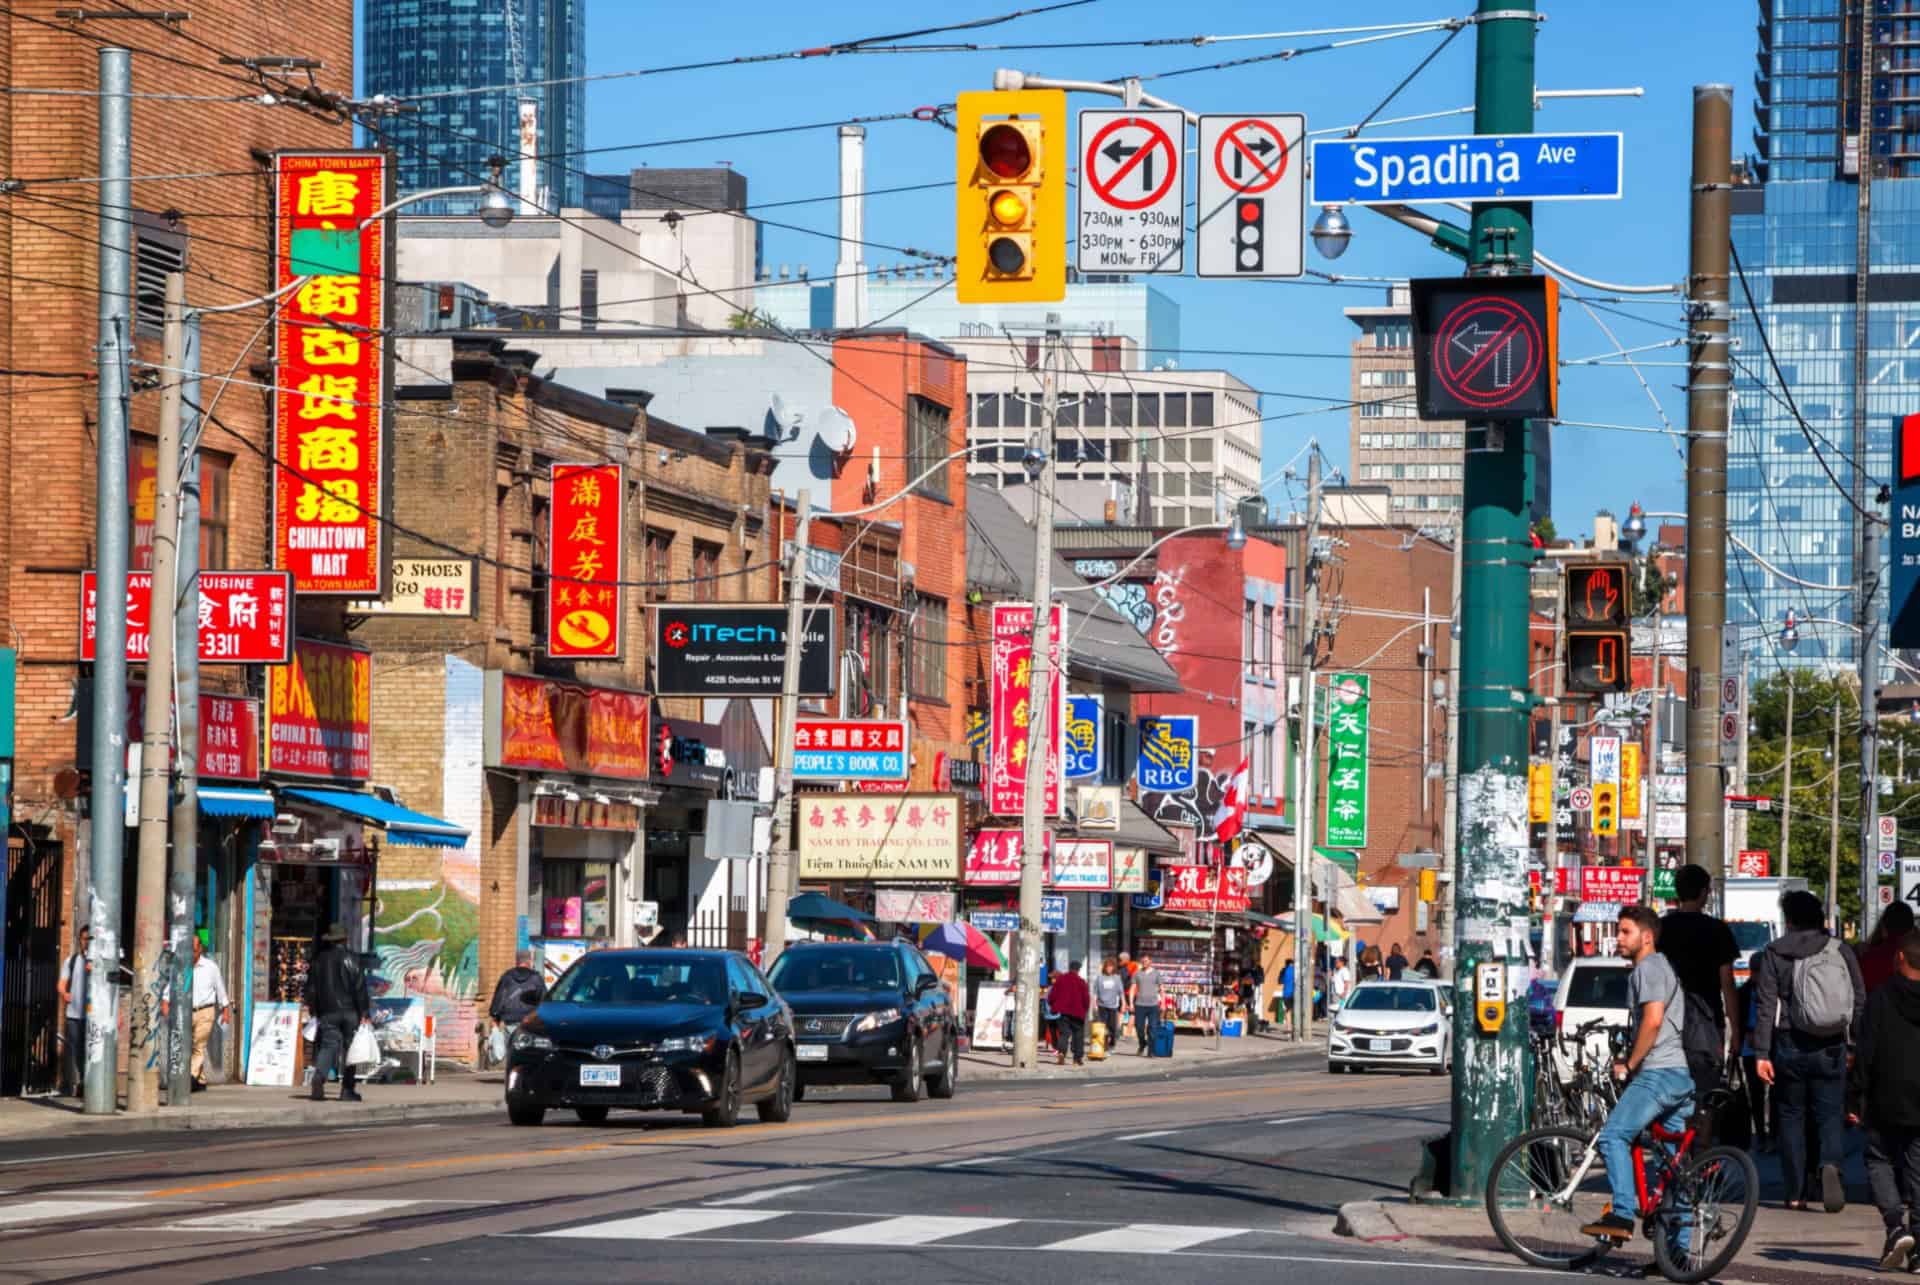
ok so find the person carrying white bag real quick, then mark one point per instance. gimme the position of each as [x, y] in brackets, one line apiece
[336, 996]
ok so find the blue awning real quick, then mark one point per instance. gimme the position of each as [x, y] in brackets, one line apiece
[402, 825]
[218, 801]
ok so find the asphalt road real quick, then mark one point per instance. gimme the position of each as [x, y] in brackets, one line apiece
[1225, 1173]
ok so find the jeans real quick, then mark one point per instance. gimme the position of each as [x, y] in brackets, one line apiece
[1070, 1031]
[1810, 1082]
[74, 1061]
[1893, 1167]
[336, 1033]
[1655, 1093]
[1145, 1018]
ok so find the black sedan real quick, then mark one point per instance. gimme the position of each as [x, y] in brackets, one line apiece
[655, 1030]
[869, 1012]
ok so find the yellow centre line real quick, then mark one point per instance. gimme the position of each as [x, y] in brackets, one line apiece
[752, 1134]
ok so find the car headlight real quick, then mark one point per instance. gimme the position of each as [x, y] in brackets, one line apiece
[528, 1042]
[686, 1044]
[875, 1020]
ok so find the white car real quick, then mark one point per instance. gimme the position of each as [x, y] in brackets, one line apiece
[1590, 988]
[1405, 1023]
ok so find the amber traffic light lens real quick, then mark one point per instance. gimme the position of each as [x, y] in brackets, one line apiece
[1008, 208]
[1004, 151]
[1006, 255]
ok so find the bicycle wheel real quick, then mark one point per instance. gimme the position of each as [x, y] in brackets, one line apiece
[1545, 1185]
[1705, 1215]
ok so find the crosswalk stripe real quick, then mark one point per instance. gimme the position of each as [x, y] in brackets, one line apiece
[275, 1217]
[668, 1224]
[1147, 1238]
[917, 1230]
[37, 1211]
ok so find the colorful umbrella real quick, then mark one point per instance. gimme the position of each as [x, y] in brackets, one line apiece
[964, 942]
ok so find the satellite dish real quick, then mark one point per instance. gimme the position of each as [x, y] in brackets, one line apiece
[837, 432]
[789, 418]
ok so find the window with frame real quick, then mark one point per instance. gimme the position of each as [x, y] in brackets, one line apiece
[1247, 643]
[928, 679]
[706, 572]
[1266, 637]
[929, 430]
[216, 490]
[986, 410]
[660, 564]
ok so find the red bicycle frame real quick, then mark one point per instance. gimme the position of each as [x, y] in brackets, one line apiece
[1681, 1143]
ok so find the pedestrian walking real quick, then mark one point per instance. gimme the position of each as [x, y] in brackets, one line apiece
[1146, 1002]
[1878, 958]
[1883, 1093]
[1110, 996]
[1702, 951]
[336, 997]
[1811, 1003]
[515, 996]
[1287, 975]
[210, 1003]
[1396, 964]
[71, 990]
[1370, 965]
[1659, 1086]
[1340, 983]
[1070, 1001]
[1428, 967]
[1257, 1001]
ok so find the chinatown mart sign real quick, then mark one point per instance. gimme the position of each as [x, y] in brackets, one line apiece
[1012, 691]
[1347, 761]
[583, 590]
[319, 720]
[914, 837]
[329, 440]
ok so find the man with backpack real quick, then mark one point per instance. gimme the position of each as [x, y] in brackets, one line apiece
[1702, 951]
[1810, 1004]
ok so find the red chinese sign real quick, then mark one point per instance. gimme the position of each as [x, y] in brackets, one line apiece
[569, 727]
[143, 486]
[1012, 690]
[243, 616]
[319, 720]
[1199, 888]
[1566, 881]
[1753, 861]
[1617, 884]
[583, 561]
[229, 733]
[329, 434]
[993, 858]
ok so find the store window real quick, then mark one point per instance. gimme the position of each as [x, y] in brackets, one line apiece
[929, 677]
[570, 883]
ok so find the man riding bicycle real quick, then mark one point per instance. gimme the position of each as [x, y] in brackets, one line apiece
[1661, 1087]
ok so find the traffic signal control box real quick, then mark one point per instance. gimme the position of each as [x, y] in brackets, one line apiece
[1606, 808]
[1599, 633]
[1010, 206]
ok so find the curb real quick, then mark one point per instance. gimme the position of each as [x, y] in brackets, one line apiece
[1369, 1221]
[291, 1116]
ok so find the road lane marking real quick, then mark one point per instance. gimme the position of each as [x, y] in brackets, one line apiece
[1147, 1238]
[770, 1193]
[37, 1211]
[276, 1217]
[919, 1229]
[1135, 1137]
[667, 1224]
[81, 1155]
[971, 1160]
[1294, 1119]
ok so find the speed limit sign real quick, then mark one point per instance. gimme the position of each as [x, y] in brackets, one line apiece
[1910, 882]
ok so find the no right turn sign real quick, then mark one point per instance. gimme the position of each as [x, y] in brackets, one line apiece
[1251, 193]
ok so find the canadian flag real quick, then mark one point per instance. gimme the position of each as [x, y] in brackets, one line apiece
[1232, 813]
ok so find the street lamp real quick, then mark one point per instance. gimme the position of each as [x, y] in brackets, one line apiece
[1635, 528]
[1332, 234]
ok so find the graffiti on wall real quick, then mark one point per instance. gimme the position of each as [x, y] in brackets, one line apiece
[1127, 597]
[1169, 610]
[1192, 808]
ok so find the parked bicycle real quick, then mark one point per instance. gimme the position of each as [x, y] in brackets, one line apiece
[1548, 1183]
[1587, 1091]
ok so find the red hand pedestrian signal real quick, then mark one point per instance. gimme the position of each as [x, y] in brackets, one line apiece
[1599, 637]
[1602, 597]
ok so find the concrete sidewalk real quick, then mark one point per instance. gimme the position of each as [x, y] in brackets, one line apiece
[1190, 1053]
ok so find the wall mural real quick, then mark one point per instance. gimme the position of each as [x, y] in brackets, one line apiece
[1193, 808]
[1127, 597]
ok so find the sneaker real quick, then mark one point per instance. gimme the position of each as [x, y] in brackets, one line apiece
[1611, 1226]
[1913, 1261]
[1898, 1251]
[1832, 1194]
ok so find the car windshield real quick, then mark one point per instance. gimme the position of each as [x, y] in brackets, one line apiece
[600, 978]
[1394, 999]
[1598, 988]
[836, 970]
[1750, 934]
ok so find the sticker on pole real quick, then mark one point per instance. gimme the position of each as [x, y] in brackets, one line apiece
[1132, 197]
[1251, 192]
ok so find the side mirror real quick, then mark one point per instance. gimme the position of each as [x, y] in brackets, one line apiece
[748, 1003]
[925, 984]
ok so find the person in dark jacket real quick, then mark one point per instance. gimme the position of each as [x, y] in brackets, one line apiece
[1879, 958]
[1070, 1000]
[1883, 1092]
[518, 992]
[336, 996]
[1807, 1068]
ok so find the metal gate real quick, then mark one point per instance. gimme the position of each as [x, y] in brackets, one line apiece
[29, 1016]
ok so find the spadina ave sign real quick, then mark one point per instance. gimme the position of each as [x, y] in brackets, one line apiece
[738, 651]
[329, 439]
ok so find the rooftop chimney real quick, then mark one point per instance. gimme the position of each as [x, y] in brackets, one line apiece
[850, 281]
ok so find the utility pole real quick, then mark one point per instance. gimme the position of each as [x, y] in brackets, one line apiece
[1490, 1082]
[1033, 811]
[1833, 828]
[186, 686]
[1450, 817]
[1786, 790]
[1550, 849]
[107, 798]
[1309, 767]
[781, 863]
[1708, 378]
[156, 736]
[1866, 567]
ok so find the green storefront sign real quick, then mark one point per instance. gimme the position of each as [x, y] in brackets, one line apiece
[1663, 885]
[1347, 705]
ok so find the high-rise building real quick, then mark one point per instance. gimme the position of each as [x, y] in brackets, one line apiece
[1420, 462]
[1794, 224]
[451, 47]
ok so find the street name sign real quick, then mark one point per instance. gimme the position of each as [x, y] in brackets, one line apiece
[1132, 208]
[1479, 167]
[1249, 214]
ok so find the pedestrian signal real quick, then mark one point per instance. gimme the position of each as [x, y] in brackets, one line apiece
[1010, 207]
[1599, 635]
[1606, 808]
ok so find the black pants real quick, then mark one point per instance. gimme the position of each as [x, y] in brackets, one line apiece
[1810, 1081]
[336, 1033]
[1893, 1167]
[1145, 1018]
[73, 1060]
[1110, 1017]
[1070, 1030]
[1709, 1072]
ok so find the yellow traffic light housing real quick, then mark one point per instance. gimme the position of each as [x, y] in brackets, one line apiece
[1429, 885]
[1606, 808]
[1010, 197]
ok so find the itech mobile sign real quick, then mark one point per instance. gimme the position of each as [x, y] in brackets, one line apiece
[738, 651]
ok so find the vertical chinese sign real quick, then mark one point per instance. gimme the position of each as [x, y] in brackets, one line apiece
[1347, 762]
[329, 483]
[1012, 710]
[583, 561]
[319, 716]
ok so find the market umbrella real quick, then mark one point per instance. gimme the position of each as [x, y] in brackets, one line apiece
[964, 942]
[816, 912]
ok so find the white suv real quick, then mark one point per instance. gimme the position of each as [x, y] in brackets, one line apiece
[1595, 987]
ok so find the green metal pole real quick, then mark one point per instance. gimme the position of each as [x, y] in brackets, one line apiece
[1490, 1073]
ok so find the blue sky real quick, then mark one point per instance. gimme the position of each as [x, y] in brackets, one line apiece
[1665, 48]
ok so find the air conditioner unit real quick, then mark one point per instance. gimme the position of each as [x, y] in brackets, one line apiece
[286, 823]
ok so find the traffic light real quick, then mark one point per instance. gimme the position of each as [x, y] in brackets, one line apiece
[1250, 251]
[1599, 637]
[1010, 224]
[1606, 809]
[1429, 885]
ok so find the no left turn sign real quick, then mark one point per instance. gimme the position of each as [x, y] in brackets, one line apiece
[1249, 210]
[1132, 192]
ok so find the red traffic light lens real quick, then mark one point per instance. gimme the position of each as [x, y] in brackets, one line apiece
[1006, 256]
[1004, 151]
[1249, 212]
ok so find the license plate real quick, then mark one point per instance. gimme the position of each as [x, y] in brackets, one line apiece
[810, 1052]
[1380, 1046]
[600, 1076]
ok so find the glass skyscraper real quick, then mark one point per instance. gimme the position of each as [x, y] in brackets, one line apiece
[442, 46]
[1794, 233]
